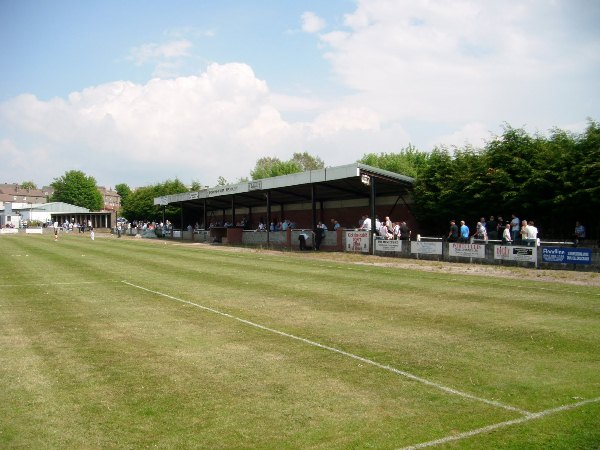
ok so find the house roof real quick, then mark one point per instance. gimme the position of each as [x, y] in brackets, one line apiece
[59, 208]
[14, 193]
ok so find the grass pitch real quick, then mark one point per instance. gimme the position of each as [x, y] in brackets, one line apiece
[122, 343]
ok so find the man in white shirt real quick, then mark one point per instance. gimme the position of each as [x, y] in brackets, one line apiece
[531, 232]
[366, 224]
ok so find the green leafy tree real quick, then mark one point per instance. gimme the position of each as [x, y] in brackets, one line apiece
[196, 186]
[268, 167]
[28, 185]
[408, 162]
[509, 158]
[76, 188]
[124, 192]
[307, 162]
[434, 196]
[273, 167]
[581, 178]
[140, 204]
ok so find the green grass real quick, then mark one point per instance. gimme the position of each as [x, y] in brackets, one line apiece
[88, 361]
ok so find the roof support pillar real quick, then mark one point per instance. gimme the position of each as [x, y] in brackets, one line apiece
[313, 201]
[268, 224]
[373, 216]
[233, 222]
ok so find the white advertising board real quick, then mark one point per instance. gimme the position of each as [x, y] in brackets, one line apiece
[388, 245]
[357, 241]
[510, 253]
[467, 250]
[426, 248]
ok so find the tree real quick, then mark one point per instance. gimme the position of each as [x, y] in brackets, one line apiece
[268, 167]
[307, 161]
[581, 177]
[140, 204]
[408, 162]
[221, 181]
[28, 185]
[76, 188]
[124, 192]
[435, 199]
[196, 186]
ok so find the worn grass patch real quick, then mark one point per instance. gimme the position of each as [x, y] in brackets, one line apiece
[217, 349]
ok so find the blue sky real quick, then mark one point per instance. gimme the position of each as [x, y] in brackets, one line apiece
[141, 92]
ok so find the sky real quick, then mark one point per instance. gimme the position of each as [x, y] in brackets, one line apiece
[140, 92]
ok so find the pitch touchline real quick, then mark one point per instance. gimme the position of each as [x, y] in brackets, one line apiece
[527, 418]
[58, 283]
[341, 352]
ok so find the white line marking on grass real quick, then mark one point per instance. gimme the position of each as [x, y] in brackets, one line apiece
[342, 352]
[527, 418]
[59, 283]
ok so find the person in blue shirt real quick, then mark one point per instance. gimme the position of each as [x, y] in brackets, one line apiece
[579, 232]
[464, 232]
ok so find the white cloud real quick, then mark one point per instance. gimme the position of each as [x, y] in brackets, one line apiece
[459, 62]
[471, 134]
[197, 127]
[158, 52]
[344, 118]
[311, 23]
[413, 68]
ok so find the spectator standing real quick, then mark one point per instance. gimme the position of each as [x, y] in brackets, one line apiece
[506, 237]
[404, 231]
[389, 224]
[579, 232]
[361, 222]
[480, 232]
[464, 232]
[532, 234]
[453, 232]
[385, 232]
[366, 225]
[500, 226]
[319, 234]
[492, 228]
[523, 231]
[514, 227]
